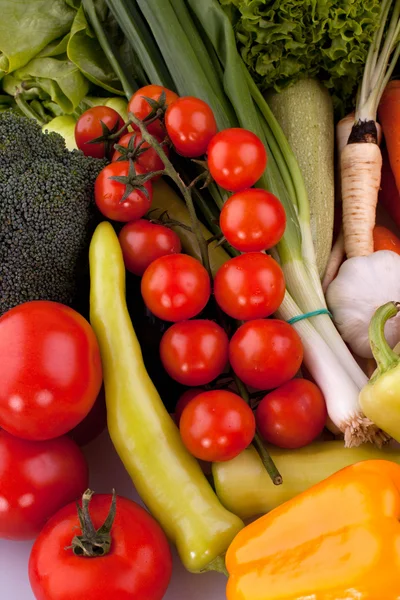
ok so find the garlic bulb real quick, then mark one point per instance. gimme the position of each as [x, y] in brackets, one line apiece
[363, 284]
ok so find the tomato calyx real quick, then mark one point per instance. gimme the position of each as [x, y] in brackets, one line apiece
[133, 181]
[108, 135]
[93, 543]
[158, 108]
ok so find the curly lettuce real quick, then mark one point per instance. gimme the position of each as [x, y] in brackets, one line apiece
[282, 41]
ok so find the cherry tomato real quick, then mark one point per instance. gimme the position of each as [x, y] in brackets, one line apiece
[253, 220]
[184, 401]
[108, 194]
[93, 424]
[293, 415]
[249, 286]
[194, 352]
[138, 564]
[216, 426]
[236, 159]
[36, 480]
[139, 106]
[50, 370]
[142, 242]
[190, 124]
[88, 127]
[175, 287]
[265, 353]
[148, 159]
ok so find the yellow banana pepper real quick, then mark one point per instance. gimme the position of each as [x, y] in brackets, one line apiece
[340, 540]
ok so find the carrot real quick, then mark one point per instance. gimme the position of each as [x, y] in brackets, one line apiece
[389, 116]
[361, 159]
[384, 239]
[389, 197]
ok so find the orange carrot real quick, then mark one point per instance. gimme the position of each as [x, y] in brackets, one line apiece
[389, 117]
[389, 197]
[384, 239]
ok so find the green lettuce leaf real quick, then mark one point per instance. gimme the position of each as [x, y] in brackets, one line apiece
[28, 27]
[57, 79]
[282, 41]
[85, 52]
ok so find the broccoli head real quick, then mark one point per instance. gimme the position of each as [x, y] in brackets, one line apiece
[47, 213]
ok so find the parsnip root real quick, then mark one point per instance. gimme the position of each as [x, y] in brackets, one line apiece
[361, 165]
[335, 260]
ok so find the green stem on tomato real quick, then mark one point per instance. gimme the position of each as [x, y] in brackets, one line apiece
[185, 191]
[258, 443]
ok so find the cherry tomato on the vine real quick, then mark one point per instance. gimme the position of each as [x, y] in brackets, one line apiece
[265, 353]
[190, 124]
[175, 287]
[253, 220]
[194, 352]
[216, 426]
[293, 415]
[142, 242]
[148, 159]
[36, 480]
[108, 194]
[138, 564]
[236, 159]
[184, 400]
[249, 286]
[50, 370]
[139, 106]
[88, 127]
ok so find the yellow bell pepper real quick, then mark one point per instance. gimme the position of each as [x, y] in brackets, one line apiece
[340, 540]
[380, 397]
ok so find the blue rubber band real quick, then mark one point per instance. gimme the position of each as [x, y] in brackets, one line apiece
[314, 313]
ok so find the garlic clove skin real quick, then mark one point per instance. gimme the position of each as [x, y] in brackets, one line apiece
[362, 285]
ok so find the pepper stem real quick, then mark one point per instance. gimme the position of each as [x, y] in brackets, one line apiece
[383, 354]
[93, 543]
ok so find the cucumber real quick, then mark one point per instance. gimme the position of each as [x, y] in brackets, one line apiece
[305, 113]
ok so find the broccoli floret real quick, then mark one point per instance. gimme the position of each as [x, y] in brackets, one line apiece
[47, 213]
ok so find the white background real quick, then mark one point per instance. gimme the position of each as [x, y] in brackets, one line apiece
[106, 472]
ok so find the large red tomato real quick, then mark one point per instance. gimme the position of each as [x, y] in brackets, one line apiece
[36, 480]
[190, 124]
[265, 353]
[137, 566]
[50, 370]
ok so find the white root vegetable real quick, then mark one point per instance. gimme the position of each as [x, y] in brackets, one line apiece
[362, 285]
[335, 260]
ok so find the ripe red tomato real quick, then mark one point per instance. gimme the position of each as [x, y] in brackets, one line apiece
[293, 415]
[148, 159]
[50, 370]
[88, 127]
[184, 401]
[36, 480]
[93, 424]
[253, 220]
[138, 564]
[108, 194]
[236, 159]
[139, 106]
[142, 242]
[190, 124]
[194, 352]
[175, 287]
[265, 353]
[249, 286]
[216, 426]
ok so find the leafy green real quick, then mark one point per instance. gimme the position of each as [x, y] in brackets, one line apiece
[28, 27]
[85, 52]
[50, 78]
[282, 41]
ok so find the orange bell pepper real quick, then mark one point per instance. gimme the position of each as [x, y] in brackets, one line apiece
[340, 540]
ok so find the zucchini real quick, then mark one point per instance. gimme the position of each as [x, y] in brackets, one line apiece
[305, 113]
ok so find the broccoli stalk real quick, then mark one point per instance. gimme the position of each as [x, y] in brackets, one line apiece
[47, 213]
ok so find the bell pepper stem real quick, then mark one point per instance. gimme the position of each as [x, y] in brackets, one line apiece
[385, 357]
[218, 565]
[258, 443]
